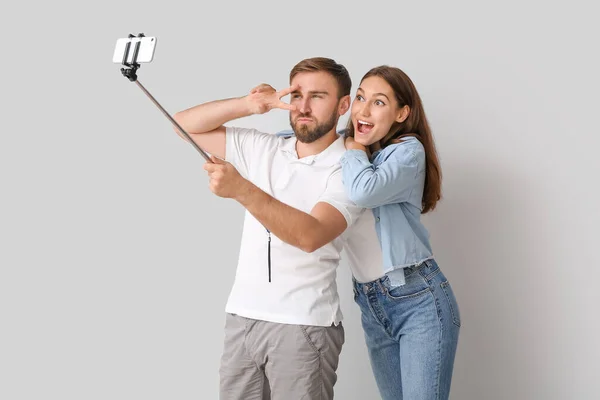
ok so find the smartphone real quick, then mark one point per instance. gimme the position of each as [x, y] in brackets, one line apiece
[145, 54]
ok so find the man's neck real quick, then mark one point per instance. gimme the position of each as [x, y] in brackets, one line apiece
[310, 149]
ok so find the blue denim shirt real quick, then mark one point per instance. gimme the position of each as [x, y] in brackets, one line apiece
[392, 184]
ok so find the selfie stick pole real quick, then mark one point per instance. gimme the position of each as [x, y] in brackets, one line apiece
[130, 73]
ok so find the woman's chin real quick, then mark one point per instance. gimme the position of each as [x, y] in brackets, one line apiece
[362, 140]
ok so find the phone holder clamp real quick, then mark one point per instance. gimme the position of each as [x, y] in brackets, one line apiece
[130, 72]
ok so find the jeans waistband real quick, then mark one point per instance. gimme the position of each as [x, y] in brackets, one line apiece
[430, 263]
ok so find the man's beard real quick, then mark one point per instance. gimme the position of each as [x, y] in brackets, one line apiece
[306, 135]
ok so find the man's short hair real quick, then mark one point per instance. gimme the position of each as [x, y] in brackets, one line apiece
[338, 71]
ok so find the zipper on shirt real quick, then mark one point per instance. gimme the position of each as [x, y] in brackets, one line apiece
[269, 252]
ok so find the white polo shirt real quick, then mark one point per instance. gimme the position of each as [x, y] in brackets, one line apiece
[303, 287]
[363, 249]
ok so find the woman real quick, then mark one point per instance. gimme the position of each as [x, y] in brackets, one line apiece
[410, 316]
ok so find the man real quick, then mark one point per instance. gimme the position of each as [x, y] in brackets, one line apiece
[283, 333]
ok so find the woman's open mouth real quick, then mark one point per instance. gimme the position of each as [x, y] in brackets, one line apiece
[363, 127]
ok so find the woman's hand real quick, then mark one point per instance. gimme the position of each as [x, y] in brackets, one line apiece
[352, 144]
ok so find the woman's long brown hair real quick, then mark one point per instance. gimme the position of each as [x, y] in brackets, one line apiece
[415, 125]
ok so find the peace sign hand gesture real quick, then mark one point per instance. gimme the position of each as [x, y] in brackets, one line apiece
[264, 98]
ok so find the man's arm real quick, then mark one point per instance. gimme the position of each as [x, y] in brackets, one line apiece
[204, 122]
[307, 232]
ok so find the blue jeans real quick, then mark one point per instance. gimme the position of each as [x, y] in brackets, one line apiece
[411, 333]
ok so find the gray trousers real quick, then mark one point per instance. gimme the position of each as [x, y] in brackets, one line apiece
[266, 360]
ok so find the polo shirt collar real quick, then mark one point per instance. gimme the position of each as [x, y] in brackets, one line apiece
[328, 157]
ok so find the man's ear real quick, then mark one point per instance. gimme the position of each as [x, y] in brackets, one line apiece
[403, 114]
[344, 105]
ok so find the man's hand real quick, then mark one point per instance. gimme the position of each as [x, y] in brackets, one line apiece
[264, 98]
[225, 180]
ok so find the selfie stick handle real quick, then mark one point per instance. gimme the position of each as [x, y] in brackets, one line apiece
[130, 73]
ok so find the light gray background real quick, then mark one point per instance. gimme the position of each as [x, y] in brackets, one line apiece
[116, 260]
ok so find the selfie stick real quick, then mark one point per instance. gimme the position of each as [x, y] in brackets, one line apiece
[130, 73]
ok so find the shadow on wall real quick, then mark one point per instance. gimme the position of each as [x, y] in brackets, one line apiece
[481, 244]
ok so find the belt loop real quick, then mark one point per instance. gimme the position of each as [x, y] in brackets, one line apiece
[381, 286]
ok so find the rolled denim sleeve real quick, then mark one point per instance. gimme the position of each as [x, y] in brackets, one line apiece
[390, 182]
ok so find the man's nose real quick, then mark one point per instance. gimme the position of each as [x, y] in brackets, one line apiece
[304, 106]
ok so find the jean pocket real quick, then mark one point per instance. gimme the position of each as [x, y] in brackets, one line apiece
[398, 293]
[452, 303]
[414, 286]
